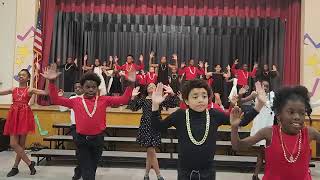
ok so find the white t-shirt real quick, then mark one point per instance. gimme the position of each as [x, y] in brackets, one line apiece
[63, 109]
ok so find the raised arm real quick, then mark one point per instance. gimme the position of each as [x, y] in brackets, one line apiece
[254, 71]
[314, 134]
[200, 70]
[119, 100]
[135, 103]
[51, 74]
[125, 98]
[233, 67]
[238, 143]
[151, 57]
[158, 97]
[162, 125]
[6, 92]
[141, 65]
[223, 119]
[175, 59]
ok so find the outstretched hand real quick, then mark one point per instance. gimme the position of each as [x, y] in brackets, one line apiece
[261, 93]
[235, 116]
[168, 90]
[135, 91]
[157, 96]
[50, 72]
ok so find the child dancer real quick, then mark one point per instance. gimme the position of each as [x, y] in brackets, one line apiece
[90, 113]
[243, 74]
[151, 76]
[218, 78]
[174, 79]
[196, 128]
[287, 154]
[98, 69]
[70, 72]
[163, 67]
[263, 119]
[191, 72]
[147, 136]
[129, 65]
[79, 91]
[20, 120]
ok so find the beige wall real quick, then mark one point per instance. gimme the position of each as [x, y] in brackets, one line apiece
[16, 18]
[310, 61]
[7, 45]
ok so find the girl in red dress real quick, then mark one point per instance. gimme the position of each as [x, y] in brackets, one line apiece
[20, 120]
[287, 152]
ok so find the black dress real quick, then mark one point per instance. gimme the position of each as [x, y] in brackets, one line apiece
[217, 85]
[116, 86]
[147, 136]
[163, 72]
[175, 83]
[70, 76]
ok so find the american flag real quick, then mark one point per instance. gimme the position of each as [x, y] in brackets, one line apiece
[37, 49]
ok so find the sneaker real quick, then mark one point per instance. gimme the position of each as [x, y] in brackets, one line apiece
[160, 178]
[146, 178]
[255, 177]
[77, 173]
[13, 172]
[32, 169]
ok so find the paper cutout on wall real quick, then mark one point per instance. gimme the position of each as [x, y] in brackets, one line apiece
[308, 37]
[314, 62]
[23, 37]
[315, 85]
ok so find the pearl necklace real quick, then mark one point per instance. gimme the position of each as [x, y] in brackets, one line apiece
[194, 68]
[174, 76]
[21, 94]
[94, 108]
[193, 140]
[152, 76]
[65, 67]
[165, 67]
[246, 76]
[284, 147]
[130, 67]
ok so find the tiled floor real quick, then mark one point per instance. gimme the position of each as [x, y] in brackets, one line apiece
[66, 172]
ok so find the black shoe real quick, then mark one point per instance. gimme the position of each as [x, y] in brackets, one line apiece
[255, 177]
[13, 172]
[146, 178]
[32, 169]
[160, 178]
[77, 173]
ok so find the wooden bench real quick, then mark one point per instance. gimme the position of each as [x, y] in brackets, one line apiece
[221, 160]
[68, 138]
[67, 126]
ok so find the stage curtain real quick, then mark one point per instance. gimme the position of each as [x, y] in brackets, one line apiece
[48, 10]
[217, 40]
[287, 10]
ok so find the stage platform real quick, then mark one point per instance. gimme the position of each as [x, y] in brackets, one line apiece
[49, 115]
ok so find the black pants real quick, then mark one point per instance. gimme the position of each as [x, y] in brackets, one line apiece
[77, 169]
[204, 174]
[89, 154]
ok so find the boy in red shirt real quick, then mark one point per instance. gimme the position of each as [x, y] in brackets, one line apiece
[129, 65]
[90, 116]
[191, 71]
[243, 74]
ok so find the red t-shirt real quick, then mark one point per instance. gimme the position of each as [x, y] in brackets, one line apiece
[243, 75]
[85, 124]
[191, 72]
